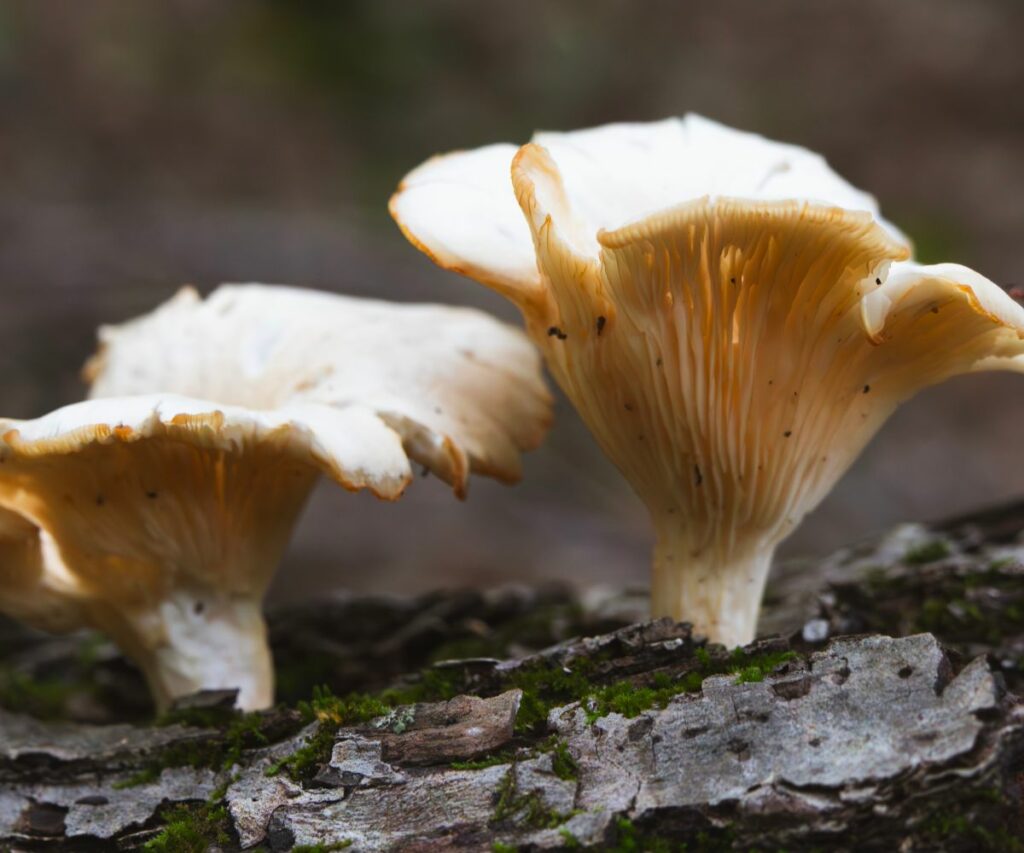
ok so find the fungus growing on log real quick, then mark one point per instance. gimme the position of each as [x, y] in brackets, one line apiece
[733, 321]
[160, 518]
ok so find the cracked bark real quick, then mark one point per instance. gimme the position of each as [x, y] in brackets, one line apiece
[856, 742]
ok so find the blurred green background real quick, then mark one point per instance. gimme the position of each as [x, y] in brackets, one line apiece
[150, 144]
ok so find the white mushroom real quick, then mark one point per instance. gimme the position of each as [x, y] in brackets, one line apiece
[168, 514]
[462, 390]
[731, 319]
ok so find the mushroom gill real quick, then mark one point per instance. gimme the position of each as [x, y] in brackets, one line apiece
[730, 318]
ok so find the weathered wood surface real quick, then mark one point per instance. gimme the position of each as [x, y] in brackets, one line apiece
[832, 736]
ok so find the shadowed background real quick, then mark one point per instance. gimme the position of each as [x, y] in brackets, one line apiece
[148, 145]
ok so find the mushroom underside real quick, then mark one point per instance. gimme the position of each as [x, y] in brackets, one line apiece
[164, 536]
[731, 354]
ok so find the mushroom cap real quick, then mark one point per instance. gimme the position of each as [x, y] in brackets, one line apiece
[462, 390]
[128, 487]
[568, 226]
[461, 209]
[352, 446]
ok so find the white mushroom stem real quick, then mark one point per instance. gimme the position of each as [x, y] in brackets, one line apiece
[200, 639]
[717, 590]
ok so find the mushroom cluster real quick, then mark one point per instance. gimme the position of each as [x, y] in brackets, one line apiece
[157, 511]
[732, 320]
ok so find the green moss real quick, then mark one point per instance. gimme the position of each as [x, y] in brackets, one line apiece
[758, 667]
[501, 847]
[628, 838]
[241, 732]
[963, 605]
[524, 809]
[334, 712]
[570, 841]
[43, 698]
[144, 777]
[303, 764]
[194, 828]
[331, 713]
[563, 763]
[928, 552]
[493, 760]
[945, 828]
[191, 830]
[342, 710]
[546, 687]
[691, 682]
[960, 619]
[200, 718]
[623, 697]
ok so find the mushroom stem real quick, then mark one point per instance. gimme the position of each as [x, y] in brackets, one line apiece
[717, 589]
[200, 640]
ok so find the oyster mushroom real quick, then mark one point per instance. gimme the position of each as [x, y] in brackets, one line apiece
[731, 319]
[168, 514]
[462, 390]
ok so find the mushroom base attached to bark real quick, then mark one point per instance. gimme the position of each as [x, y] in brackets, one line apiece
[199, 639]
[718, 593]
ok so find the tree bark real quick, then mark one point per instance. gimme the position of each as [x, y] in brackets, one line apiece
[882, 717]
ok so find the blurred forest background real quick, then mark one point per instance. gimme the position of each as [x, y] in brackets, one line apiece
[150, 144]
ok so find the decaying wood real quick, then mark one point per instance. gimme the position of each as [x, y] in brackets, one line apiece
[821, 738]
